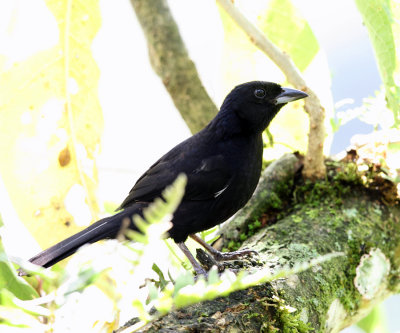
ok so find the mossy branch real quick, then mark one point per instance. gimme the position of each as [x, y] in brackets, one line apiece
[170, 60]
[339, 214]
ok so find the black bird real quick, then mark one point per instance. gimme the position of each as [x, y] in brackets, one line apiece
[222, 164]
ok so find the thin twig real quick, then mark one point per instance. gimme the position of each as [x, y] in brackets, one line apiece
[314, 162]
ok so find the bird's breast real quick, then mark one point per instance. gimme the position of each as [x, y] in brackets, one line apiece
[244, 160]
[245, 163]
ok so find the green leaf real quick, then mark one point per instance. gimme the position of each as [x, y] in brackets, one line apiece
[9, 300]
[157, 215]
[382, 17]
[85, 278]
[375, 321]
[17, 313]
[9, 280]
[163, 282]
[286, 28]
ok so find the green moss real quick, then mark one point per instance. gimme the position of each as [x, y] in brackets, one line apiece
[291, 323]
[340, 180]
[274, 201]
[251, 315]
[232, 246]
[277, 203]
[285, 321]
[342, 286]
[349, 214]
[297, 219]
[243, 237]
[252, 229]
[336, 201]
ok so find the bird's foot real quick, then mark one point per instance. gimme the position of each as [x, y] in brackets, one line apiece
[207, 260]
[196, 266]
[224, 256]
[212, 259]
[200, 271]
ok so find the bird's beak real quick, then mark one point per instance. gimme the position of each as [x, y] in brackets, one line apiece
[289, 95]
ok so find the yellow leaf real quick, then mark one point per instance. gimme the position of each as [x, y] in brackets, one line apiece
[50, 126]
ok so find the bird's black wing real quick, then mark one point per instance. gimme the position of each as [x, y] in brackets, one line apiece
[207, 177]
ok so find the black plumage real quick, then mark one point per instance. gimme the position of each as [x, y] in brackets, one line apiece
[222, 164]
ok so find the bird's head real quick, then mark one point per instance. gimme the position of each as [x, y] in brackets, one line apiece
[256, 103]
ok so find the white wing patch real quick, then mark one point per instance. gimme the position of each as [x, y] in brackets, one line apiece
[216, 194]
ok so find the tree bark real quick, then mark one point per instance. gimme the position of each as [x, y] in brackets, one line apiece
[170, 60]
[339, 214]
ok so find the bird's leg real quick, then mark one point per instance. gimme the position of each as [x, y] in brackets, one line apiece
[196, 266]
[220, 256]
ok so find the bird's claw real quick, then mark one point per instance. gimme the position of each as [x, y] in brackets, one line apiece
[207, 260]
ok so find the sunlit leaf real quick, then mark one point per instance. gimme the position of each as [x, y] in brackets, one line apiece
[286, 28]
[382, 17]
[50, 125]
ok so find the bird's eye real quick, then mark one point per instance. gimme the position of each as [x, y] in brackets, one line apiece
[259, 93]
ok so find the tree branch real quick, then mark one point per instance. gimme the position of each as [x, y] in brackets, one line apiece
[170, 60]
[338, 215]
[314, 162]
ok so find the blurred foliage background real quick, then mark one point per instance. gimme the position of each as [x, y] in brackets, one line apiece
[82, 114]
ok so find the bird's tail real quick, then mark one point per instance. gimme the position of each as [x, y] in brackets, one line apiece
[108, 227]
